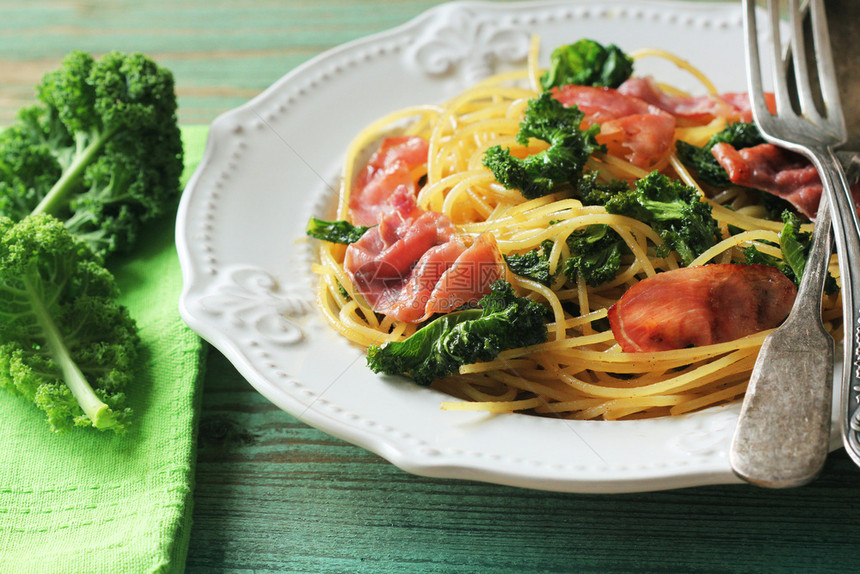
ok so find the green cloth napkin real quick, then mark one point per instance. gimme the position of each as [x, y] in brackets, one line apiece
[90, 502]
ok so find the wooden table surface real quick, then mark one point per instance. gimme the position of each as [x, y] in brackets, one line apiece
[274, 495]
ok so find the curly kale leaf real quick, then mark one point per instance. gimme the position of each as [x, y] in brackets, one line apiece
[590, 191]
[673, 210]
[504, 321]
[587, 63]
[795, 245]
[595, 254]
[342, 232]
[65, 343]
[542, 173]
[533, 264]
[101, 150]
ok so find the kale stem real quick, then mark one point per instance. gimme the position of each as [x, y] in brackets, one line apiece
[56, 198]
[98, 412]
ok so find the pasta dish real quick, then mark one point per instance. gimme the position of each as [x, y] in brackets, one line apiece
[654, 234]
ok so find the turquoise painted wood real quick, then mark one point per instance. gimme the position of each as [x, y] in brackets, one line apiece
[222, 53]
[274, 495]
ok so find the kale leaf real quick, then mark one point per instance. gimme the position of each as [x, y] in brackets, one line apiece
[587, 63]
[533, 264]
[595, 254]
[65, 342]
[673, 210]
[795, 245]
[342, 232]
[542, 173]
[101, 150]
[504, 321]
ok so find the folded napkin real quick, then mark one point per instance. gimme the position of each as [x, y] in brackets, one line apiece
[91, 502]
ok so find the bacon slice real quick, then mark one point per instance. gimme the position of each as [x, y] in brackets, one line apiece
[388, 169]
[733, 107]
[468, 278]
[600, 104]
[705, 305]
[698, 108]
[777, 171]
[631, 128]
[643, 139]
[413, 264]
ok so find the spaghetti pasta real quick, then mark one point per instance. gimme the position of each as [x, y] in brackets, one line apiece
[580, 372]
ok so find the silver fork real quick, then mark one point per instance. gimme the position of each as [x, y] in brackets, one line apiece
[783, 434]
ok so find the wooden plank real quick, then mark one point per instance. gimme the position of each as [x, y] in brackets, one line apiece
[274, 495]
[221, 53]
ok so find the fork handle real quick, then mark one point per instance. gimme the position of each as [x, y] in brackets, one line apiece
[783, 431]
[846, 233]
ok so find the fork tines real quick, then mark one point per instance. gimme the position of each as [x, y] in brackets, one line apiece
[822, 77]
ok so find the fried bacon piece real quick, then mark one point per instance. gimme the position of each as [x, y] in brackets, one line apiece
[733, 107]
[631, 128]
[703, 305]
[777, 171]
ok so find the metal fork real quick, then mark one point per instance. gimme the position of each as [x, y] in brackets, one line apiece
[783, 434]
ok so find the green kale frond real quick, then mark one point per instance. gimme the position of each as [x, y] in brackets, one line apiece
[587, 63]
[65, 343]
[342, 232]
[795, 245]
[590, 191]
[533, 264]
[673, 210]
[504, 321]
[101, 150]
[548, 120]
[595, 254]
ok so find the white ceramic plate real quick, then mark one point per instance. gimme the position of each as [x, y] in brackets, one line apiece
[273, 163]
